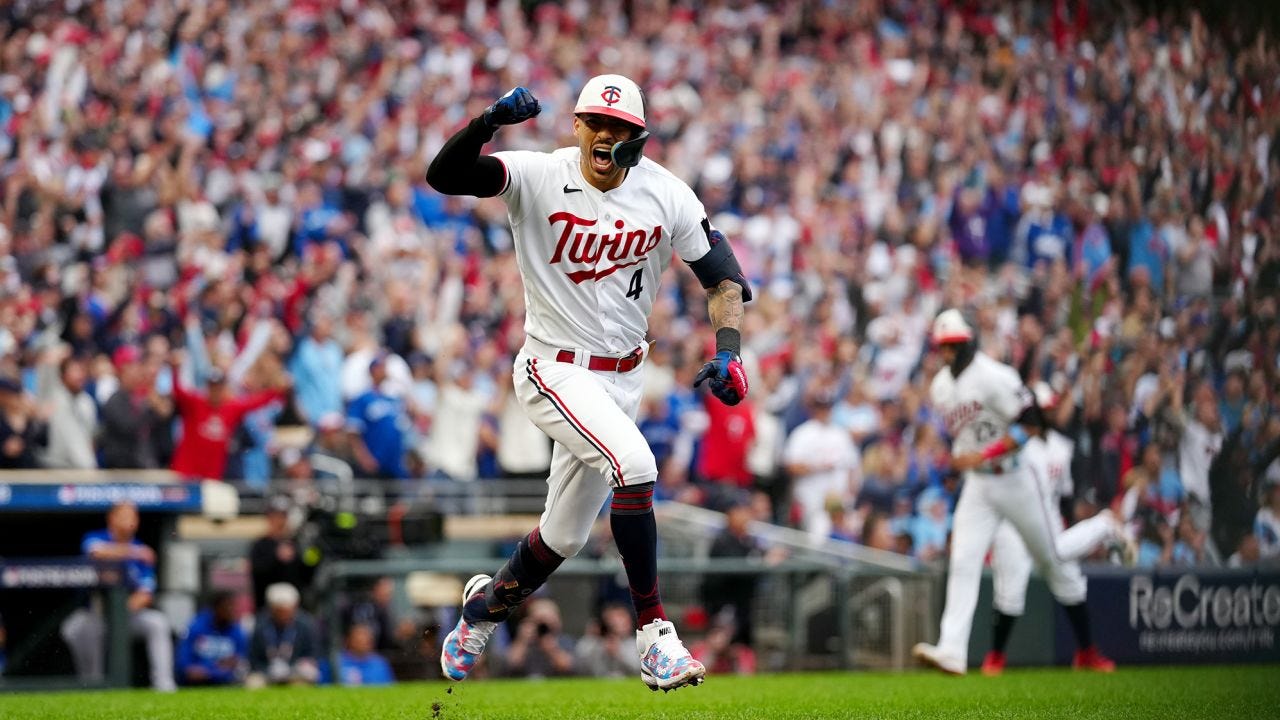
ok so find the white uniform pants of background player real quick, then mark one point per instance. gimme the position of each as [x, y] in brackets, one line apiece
[591, 417]
[85, 632]
[985, 502]
[1011, 564]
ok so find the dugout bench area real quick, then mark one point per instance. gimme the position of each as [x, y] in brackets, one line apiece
[43, 578]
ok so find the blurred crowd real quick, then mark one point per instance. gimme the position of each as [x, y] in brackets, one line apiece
[214, 225]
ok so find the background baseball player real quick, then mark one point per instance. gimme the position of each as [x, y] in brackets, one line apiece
[985, 407]
[1011, 564]
[594, 227]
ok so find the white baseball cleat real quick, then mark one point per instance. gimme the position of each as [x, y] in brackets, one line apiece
[931, 655]
[665, 664]
[462, 646]
[1120, 543]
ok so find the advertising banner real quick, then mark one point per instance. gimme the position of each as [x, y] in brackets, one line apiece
[1182, 615]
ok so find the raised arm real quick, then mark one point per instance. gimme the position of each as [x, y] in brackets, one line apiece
[460, 169]
[253, 401]
[181, 394]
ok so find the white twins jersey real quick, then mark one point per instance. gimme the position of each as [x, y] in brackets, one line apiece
[1058, 450]
[979, 406]
[591, 260]
[1015, 510]
[1050, 458]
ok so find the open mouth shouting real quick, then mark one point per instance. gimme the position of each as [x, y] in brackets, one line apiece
[597, 136]
[601, 159]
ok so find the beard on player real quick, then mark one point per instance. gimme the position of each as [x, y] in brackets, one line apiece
[596, 135]
[957, 355]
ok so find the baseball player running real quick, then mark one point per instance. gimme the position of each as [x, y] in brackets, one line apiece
[987, 411]
[1010, 561]
[594, 227]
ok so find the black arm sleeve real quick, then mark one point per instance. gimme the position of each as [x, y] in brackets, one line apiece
[460, 169]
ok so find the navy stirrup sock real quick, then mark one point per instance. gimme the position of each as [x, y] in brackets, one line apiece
[635, 532]
[1078, 614]
[529, 567]
[1000, 633]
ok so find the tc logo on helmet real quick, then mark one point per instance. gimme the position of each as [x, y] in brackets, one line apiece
[611, 94]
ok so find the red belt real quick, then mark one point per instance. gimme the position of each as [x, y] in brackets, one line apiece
[602, 363]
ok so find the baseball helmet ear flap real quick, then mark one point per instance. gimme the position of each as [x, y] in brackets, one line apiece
[627, 154]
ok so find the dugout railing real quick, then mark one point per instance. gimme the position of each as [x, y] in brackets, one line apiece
[825, 606]
[807, 615]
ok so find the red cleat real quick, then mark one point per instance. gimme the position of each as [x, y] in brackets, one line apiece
[1092, 659]
[993, 664]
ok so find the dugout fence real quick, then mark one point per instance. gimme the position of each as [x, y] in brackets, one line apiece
[825, 606]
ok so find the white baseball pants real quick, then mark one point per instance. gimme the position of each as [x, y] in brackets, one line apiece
[590, 416]
[85, 631]
[1011, 564]
[985, 502]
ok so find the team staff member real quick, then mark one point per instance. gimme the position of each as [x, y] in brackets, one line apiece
[595, 226]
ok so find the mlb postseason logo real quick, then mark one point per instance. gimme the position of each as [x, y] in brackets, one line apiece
[94, 496]
[140, 494]
[52, 573]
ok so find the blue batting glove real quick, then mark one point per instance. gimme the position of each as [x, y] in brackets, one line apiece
[515, 107]
[726, 377]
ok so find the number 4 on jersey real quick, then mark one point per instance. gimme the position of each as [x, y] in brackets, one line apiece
[635, 288]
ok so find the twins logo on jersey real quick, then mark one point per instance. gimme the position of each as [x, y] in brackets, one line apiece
[960, 415]
[1056, 474]
[621, 249]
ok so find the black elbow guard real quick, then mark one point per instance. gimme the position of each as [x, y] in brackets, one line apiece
[719, 264]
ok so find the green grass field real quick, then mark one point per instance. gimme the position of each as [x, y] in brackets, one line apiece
[1241, 693]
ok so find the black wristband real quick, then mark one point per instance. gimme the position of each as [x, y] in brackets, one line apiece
[729, 339]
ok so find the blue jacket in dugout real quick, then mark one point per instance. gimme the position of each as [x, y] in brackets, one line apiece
[138, 575]
[221, 651]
